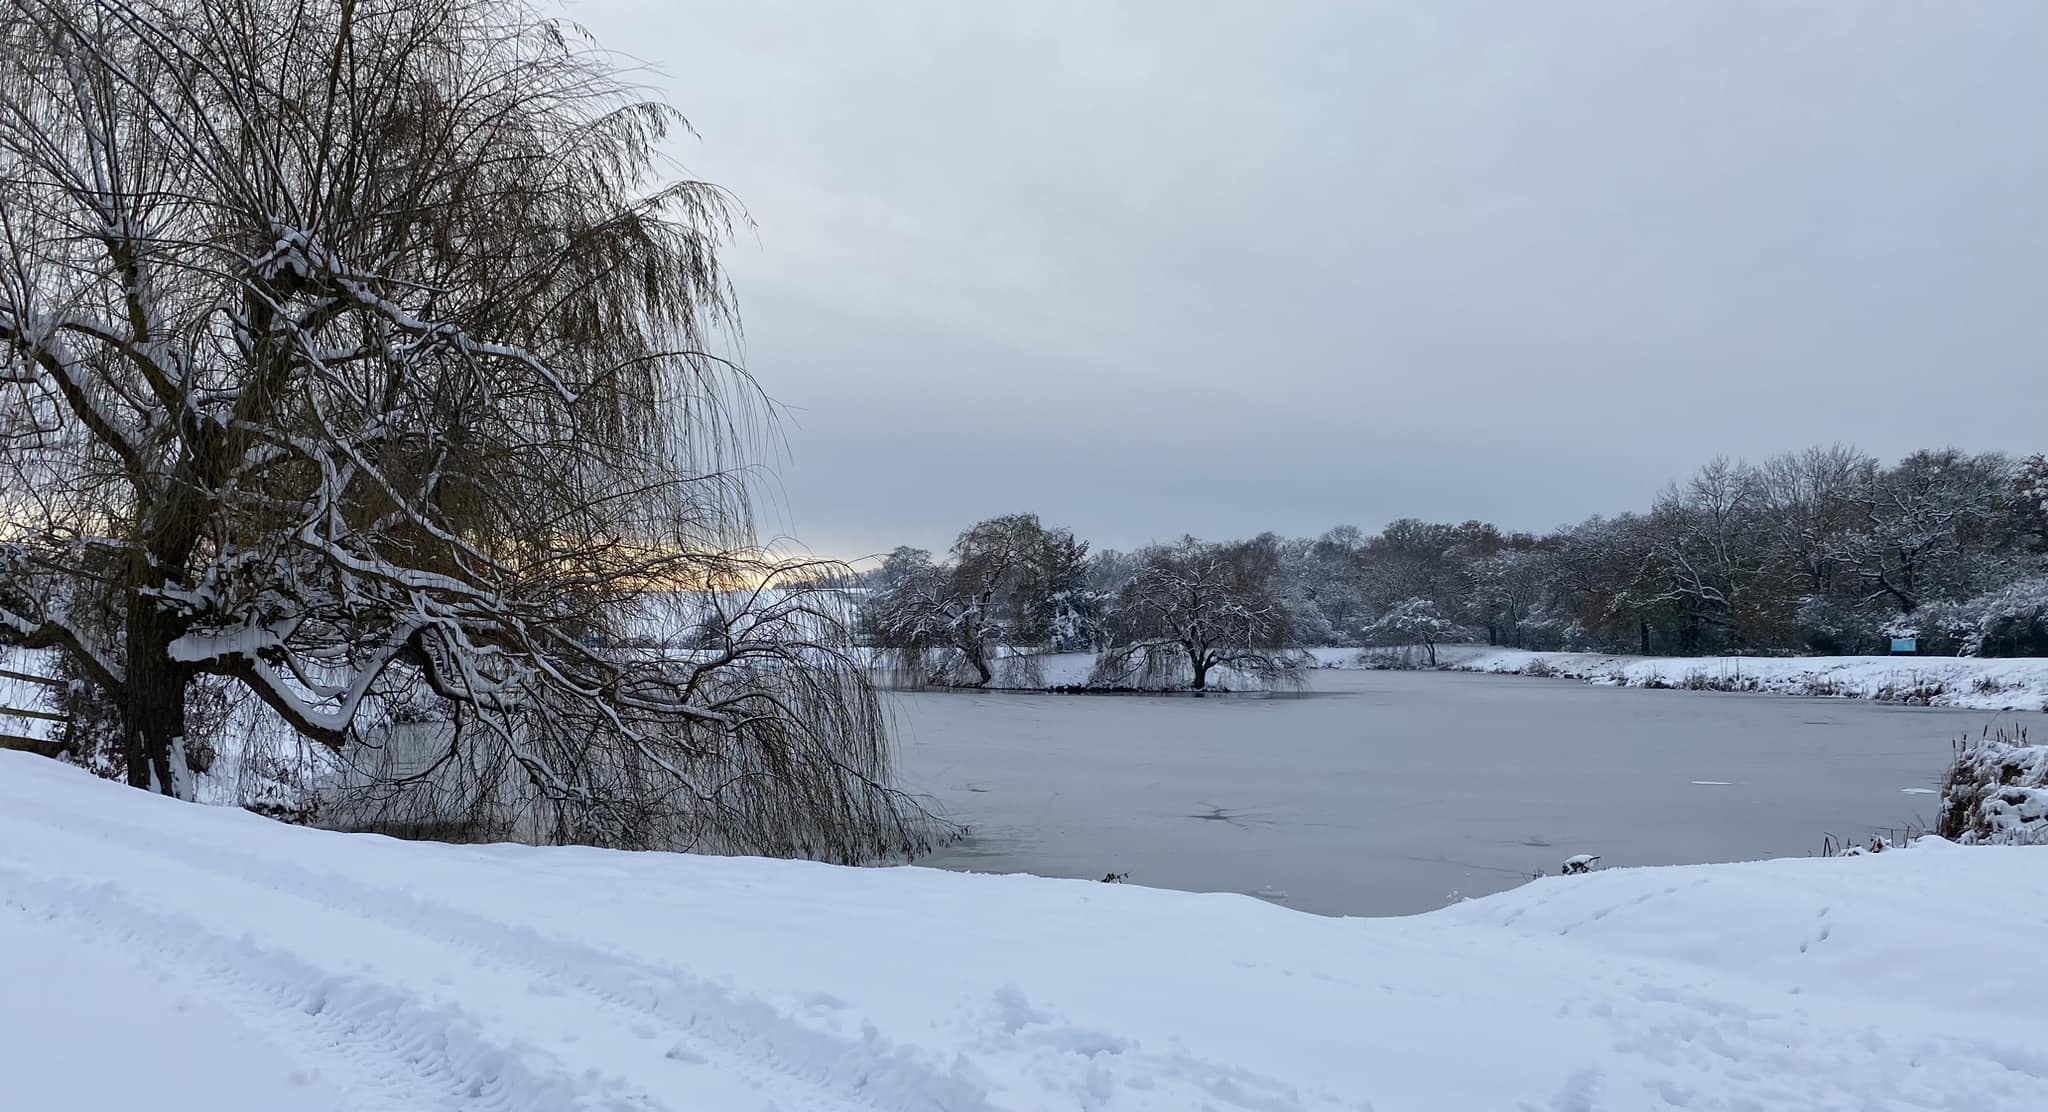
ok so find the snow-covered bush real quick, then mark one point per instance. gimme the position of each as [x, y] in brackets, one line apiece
[1997, 791]
[2011, 621]
[1546, 630]
[1833, 626]
[1943, 627]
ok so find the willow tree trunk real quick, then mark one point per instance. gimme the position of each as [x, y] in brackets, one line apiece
[152, 698]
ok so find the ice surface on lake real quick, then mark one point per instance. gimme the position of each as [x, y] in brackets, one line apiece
[1383, 792]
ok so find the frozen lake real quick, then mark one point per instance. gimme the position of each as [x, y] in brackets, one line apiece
[1382, 793]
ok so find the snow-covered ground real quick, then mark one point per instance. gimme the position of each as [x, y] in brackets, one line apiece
[1974, 683]
[162, 955]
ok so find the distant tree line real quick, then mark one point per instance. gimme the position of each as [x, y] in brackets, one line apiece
[1824, 551]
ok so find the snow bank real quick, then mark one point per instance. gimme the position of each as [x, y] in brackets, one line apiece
[233, 964]
[1969, 682]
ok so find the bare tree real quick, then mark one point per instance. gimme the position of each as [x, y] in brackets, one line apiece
[350, 347]
[1194, 608]
[1013, 584]
[1812, 510]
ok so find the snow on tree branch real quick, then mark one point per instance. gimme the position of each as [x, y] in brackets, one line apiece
[370, 342]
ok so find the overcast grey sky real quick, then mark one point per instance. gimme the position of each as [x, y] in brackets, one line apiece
[1147, 269]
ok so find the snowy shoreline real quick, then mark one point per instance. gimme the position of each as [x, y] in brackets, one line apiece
[1970, 683]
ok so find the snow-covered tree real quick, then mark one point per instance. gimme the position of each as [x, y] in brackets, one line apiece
[349, 347]
[1413, 621]
[1811, 507]
[1706, 558]
[1194, 608]
[1012, 584]
[2030, 502]
[915, 618]
[1321, 585]
[1930, 522]
[1507, 589]
[899, 564]
[1064, 614]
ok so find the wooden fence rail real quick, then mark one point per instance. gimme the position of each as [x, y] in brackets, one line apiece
[48, 747]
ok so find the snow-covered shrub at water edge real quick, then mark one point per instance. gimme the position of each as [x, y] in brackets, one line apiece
[1997, 791]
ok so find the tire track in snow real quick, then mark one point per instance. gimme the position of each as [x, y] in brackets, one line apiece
[413, 1055]
[749, 1033]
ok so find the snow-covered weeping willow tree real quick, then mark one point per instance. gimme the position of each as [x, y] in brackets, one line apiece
[352, 346]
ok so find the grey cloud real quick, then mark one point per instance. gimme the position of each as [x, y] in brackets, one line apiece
[1155, 268]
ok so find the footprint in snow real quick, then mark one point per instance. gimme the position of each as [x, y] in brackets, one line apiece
[1826, 929]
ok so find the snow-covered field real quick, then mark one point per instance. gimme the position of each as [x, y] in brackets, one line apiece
[1977, 684]
[166, 956]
